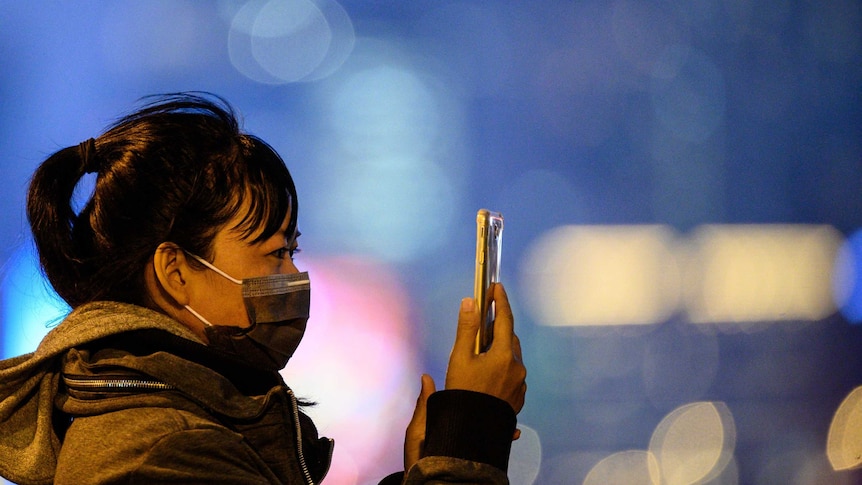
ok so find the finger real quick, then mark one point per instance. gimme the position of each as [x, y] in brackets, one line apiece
[504, 321]
[427, 389]
[415, 437]
[516, 435]
[468, 327]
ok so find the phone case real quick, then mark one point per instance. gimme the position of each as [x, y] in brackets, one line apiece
[489, 238]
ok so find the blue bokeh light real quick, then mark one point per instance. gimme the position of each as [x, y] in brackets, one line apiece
[848, 278]
[29, 307]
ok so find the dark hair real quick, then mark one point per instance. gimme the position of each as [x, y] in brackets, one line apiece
[176, 170]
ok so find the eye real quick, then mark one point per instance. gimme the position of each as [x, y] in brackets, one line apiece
[281, 253]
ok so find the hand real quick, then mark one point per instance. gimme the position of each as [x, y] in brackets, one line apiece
[499, 371]
[414, 440]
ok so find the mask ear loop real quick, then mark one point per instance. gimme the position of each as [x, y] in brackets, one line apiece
[212, 267]
[200, 317]
[196, 314]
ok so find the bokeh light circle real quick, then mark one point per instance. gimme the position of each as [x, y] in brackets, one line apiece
[283, 41]
[693, 443]
[623, 468]
[290, 38]
[525, 459]
[844, 442]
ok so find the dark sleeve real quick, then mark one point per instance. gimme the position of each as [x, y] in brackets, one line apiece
[394, 479]
[471, 426]
[468, 436]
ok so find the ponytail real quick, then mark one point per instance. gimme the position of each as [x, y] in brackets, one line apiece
[58, 232]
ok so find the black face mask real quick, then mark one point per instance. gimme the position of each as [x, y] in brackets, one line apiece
[278, 308]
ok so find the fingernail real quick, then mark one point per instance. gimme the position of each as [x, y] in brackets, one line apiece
[467, 305]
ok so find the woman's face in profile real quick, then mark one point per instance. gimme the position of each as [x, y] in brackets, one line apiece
[217, 298]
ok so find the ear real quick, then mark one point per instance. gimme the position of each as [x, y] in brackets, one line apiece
[169, 263]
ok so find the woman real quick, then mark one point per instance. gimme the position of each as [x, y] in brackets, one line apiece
[185, 305]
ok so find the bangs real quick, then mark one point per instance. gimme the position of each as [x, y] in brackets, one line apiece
[268, 192]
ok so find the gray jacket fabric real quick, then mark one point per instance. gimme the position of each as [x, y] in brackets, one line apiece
[107, 399]
[122, 394]
[29, 443]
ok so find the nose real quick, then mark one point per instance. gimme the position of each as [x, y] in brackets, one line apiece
[289, 267]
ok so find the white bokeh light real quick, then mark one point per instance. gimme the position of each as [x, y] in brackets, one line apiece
[693, 444]
[283, 41]
[525, 458]
[632, 467]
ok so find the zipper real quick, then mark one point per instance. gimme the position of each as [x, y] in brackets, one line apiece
[303, 466]
[98, 384]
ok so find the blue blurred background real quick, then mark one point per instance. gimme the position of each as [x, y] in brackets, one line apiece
[680, 181]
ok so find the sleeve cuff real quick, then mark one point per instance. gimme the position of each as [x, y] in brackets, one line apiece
[470, 425]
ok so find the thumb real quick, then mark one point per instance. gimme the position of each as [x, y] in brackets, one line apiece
[428, 388]
[414, 441]
[421, 410]
[468, 327]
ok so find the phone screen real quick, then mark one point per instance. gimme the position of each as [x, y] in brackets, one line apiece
[489, 238]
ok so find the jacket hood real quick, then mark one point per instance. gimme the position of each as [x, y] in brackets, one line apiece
[29, 442]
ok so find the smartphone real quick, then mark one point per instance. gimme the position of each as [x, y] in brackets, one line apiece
[489, 239]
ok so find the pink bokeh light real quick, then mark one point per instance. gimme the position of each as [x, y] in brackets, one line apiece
[359, 363]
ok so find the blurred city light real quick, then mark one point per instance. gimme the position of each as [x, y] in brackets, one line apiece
[693, 444]
[761, 273]
[387, 177]
[602, 275]
[29, 306]
[844, 443]
[357, 362]
[848, 278]
[525, 460]
[629, 275]
[283, 41]
[624, 467]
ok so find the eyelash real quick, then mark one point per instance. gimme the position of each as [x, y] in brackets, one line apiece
[280, 252]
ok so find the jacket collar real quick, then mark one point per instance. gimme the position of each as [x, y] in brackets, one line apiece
[152, 358]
